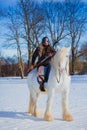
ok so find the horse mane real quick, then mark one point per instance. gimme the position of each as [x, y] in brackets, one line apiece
[59, 53]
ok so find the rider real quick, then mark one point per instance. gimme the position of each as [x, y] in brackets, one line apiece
[41, 52]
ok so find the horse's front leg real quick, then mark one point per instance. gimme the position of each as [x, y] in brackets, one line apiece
[48, 114]
[66, 113]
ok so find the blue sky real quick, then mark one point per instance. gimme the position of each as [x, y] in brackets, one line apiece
[6, 3]
[5, 51]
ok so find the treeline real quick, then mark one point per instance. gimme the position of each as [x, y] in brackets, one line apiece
[63, 22]
[10, 68]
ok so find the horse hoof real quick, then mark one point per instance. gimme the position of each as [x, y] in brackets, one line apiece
[67, 117]
[48, 117]
[37, 114]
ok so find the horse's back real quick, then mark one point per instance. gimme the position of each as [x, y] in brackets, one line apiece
[31, 78]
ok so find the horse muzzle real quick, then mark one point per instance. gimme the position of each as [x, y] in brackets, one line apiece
[61, 69]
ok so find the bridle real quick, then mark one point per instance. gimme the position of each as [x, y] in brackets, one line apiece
[59, 77]
[61, 72]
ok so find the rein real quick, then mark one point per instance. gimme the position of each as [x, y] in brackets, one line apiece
[61, 72]
[59, 78]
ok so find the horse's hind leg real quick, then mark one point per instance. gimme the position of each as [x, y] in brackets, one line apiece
[31, 105]
[66, 114]
[37, 111]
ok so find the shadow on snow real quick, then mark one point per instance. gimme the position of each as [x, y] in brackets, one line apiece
[18, 115]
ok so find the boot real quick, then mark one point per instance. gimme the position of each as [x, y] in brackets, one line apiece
[42, 86]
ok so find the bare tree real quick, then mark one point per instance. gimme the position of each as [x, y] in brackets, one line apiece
[30, 21]
[55, 17]
[31, 18]
[0, 63]
[13, 36]
[76, 19]
[83, 52]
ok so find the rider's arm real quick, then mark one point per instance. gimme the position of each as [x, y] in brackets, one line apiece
[52, 51]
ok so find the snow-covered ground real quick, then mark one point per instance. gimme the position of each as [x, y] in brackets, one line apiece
[14, 100]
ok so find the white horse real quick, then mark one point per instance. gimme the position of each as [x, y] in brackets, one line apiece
[59, 80]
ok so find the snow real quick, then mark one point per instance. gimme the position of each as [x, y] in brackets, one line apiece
[14, 100]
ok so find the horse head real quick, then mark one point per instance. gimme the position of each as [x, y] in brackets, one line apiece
[60, 61]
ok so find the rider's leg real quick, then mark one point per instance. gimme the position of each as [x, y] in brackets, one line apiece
[47, 71]
[41, 77]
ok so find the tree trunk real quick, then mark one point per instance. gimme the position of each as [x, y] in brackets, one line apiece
[73, 62]
[20, 64]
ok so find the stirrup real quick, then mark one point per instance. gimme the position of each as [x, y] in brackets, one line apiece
[40, 79]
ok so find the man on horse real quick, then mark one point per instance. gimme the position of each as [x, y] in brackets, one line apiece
[43, 52]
